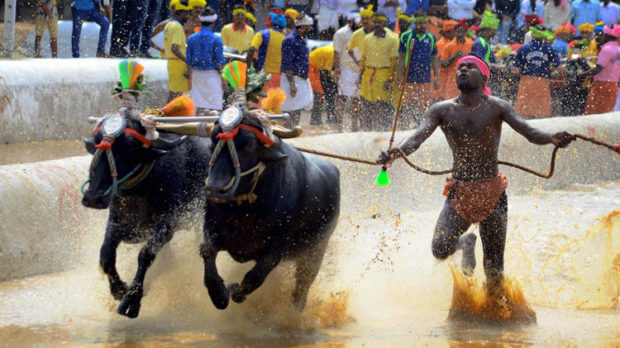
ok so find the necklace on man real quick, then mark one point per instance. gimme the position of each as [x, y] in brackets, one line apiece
[458, 100]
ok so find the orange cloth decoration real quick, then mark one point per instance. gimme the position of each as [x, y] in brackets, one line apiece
[179, 106]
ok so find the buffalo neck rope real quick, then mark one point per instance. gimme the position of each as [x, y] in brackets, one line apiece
[141, 171]
[228, 138]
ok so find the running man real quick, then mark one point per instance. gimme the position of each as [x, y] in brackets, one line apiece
[472, 124]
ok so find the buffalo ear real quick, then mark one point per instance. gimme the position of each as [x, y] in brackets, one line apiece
[89, 143]
[273, 153]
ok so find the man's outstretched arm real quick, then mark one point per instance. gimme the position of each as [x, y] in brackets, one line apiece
[412, 142]
[533, 135]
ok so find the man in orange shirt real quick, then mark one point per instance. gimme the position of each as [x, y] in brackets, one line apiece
[454, 50]
[448, 33]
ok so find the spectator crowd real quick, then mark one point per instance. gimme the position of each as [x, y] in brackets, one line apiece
[554, 57]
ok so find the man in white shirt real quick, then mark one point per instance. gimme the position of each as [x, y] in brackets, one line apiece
[610, 12]
[346, 70]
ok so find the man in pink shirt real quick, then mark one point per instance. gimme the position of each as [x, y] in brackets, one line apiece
[602, 97]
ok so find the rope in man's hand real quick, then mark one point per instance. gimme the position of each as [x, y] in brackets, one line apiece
[387, 157]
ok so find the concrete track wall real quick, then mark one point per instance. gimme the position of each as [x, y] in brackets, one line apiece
[50, 99]
[43, 224]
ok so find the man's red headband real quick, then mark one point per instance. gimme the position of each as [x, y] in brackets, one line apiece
[482, 67]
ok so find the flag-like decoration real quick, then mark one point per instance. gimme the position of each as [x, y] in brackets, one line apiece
[235, 73]
[130, 71]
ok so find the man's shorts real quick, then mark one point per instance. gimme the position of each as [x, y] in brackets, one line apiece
[51, 24]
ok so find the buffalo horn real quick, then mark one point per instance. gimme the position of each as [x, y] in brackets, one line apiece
[168, 145]
[285, 133]
[185, 119]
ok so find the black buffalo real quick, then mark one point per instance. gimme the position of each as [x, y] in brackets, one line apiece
[160, 190]
[287, 211]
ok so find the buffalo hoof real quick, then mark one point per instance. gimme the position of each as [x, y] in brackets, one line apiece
[235, 293]
[130, 305]
[219, 297]
[118, 290]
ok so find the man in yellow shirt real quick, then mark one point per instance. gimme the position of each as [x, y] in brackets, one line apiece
[237, 34]
[378, 64]
[268, 44]
[174, 51]
[322, 60]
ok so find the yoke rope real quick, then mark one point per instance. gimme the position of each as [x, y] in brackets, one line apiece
[615, 148]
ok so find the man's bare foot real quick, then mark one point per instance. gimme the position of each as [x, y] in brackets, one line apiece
[467, 243]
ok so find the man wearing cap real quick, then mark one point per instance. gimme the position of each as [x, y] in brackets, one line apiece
[448, 33]
[472, 124]
[455, 49]
[268, 43]
[237, 34]
[482, 46]
[355, 44]
[404, 21]
[417, 49]
[346, 72]
[586, 42]
[174, 51]
[295, 65]
[604, 91]
[291, 16]
[536, 60]
[378, 65]
[322, 61]
[205, 58]
[563, 36]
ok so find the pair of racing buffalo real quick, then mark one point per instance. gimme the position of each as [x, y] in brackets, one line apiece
[259, 201]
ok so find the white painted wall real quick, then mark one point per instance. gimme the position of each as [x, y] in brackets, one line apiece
[50, 99]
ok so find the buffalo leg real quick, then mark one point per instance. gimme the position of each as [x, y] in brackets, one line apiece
[107, 261]
[306, 269]
[130, 305]
[212, 280]
[255, 277]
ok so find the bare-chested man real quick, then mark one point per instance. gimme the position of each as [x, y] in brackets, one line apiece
[472, 124]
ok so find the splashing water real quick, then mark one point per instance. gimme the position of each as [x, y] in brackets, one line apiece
[473, 302]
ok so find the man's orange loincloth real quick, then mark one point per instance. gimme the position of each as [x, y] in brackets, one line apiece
[474, 201]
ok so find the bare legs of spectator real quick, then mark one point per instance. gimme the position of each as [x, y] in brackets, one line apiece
[172, 95]
[317, 108]
[355, 110]
[330, 89]
[376, 115]
[37, 47]
[293, 120]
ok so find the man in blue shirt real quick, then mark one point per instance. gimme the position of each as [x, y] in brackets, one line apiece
[88, 10]
[414, 5]
[585, 11]
[482, 46]
[536, 60]
[205, 58]
[418, 48]
[294, 68]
